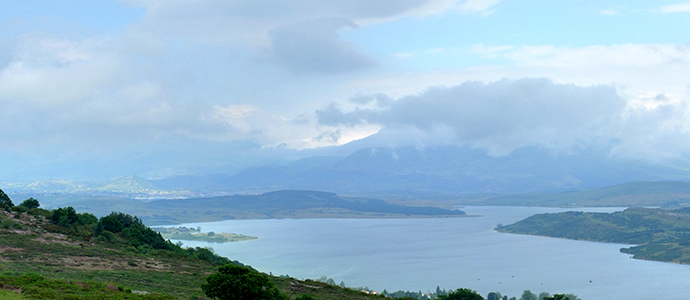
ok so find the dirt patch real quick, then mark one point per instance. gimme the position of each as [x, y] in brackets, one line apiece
[4, 249]
[55, 238]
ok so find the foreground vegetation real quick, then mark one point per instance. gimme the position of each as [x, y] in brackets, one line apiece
[659, 234]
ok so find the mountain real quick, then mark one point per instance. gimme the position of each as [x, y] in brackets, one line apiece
[278, 204]
[437, 172]
[658, 193]
[52, 186]
[130, 184]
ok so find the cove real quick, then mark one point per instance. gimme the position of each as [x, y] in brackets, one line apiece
[420, 254]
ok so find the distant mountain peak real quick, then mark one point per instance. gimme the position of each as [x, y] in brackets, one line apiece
[131, 183]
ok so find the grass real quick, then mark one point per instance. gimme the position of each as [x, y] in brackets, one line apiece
[11, 295]
[41, 264]
[34, 286]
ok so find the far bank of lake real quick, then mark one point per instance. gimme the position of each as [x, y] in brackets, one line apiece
[420, 254]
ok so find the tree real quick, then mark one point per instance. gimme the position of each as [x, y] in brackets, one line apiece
[461, 294]
[528, 295]
[5, 201]
[494, 296]
[240, 282]
[563, 297]
[30, 203]
[64, 216]
[543, 296]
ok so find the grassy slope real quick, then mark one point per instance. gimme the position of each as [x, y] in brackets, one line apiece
[662, 235]
[64, 267]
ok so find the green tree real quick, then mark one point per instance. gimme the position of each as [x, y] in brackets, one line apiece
[5, 202]
[240, 282]
[563, 297]
[64, 216]
[543, 296]
[572, 296]
[494, 296]
[461, 294]
[528, 295]
[30, 203]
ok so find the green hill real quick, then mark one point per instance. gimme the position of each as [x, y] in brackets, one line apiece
[40, 259]
[662, 235]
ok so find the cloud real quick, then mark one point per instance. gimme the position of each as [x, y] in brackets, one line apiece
[298, 35]
[499, 116]
[88, 92]
[635, 69]
[675, 8]
[248, 22]
[608, 12]
[504, 115]
[475, 6]
[313, 46]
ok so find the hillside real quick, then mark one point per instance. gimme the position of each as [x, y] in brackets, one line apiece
[655, 193]
[435, 172]
[662, 235]
[42, 260]
[279, 204]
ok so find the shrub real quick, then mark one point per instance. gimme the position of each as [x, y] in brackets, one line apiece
[240, 282]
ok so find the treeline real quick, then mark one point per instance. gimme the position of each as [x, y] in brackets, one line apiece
[116, 228]
[441, 294]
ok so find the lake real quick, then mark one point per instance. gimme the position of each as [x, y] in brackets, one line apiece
[420, 254]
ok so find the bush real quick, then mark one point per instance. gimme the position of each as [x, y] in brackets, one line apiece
[30, 203]
[5, 201]
[461, 294]
[240, 282]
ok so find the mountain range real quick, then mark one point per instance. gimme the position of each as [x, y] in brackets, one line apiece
[403, 173]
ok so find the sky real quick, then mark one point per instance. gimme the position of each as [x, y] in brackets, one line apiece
[93, 85]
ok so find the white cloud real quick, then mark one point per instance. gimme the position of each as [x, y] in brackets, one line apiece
[635, 69]
[500, 116]
[47, 70]
[474, 6]
[608, 12]
[403, 55]
[675, 8]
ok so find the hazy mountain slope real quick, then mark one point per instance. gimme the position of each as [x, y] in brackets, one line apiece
[278, 204]
[661, 193]
[439, 171]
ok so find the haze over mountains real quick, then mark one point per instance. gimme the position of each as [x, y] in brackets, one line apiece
[403, 172]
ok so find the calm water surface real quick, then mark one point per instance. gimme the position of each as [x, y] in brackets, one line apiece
[420, 254]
